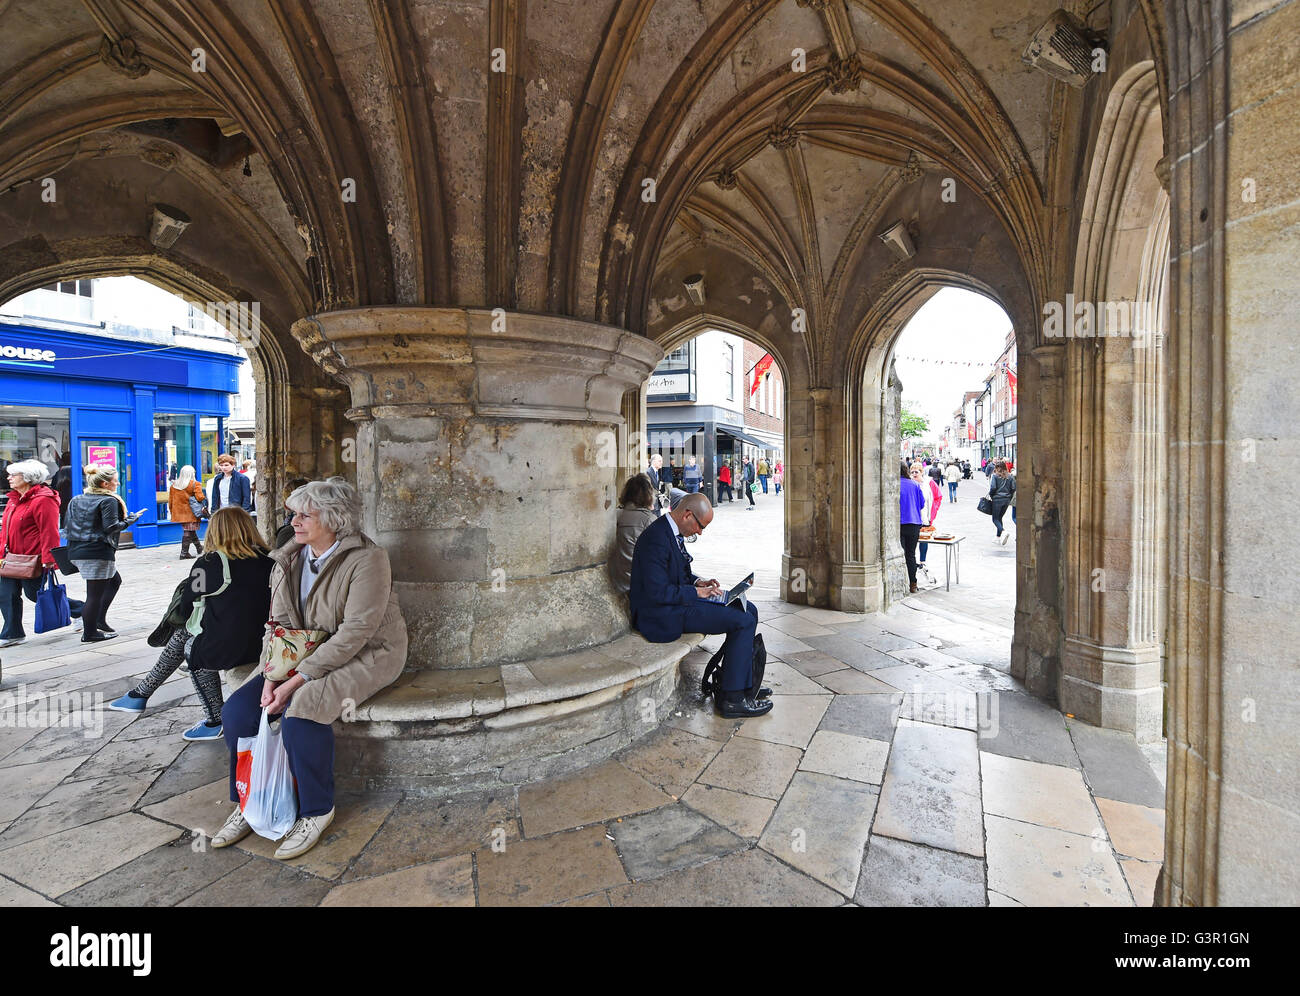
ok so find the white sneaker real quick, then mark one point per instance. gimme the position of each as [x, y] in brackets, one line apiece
[1006, 535]
[234, 830]
[14, 642]
[304, 835]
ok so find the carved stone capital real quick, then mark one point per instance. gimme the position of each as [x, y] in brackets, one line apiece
[845, 74]
[782, 136]
[122, 57]
[725, 179]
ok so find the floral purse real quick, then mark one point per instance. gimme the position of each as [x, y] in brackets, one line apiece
[287, 648]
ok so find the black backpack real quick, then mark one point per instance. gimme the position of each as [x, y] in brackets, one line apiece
[711, 683]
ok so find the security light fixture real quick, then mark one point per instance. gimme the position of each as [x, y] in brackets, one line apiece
[1064, 49]
[167, 225]
[694, 285]
[899, 242]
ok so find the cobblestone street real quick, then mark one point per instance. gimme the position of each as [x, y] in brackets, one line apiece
[901, 765]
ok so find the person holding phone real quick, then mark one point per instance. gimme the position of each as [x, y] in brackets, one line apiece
[96, 519]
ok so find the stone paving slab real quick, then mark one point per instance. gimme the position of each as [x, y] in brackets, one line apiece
[872, 635]
[599, 793]
[744, 815]
[746, 878]
[786, 680]
[670, 759]
[1041, 866]
[23, 785]
[165, 876]
[781, 644]
[449, 882]
[755, 767]
[537, 872]
[857, 758]
[852, 682]
[1141, 876]
[931, 793]
[852, 652]
[821, 827]
[1136, 831]
[196, 765]
[870, 715]
[62, 861]
[1045, 794]
[900, 873]
[13, 895]
[670, 839]
[253, 881]
[795, 625]
[356, 820]
[1031, 730]
[792, 721]
[814, 663]
[1115, 766]
[73, 804]
[421, 831]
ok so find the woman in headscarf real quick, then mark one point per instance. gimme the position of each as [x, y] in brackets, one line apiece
[182, 490]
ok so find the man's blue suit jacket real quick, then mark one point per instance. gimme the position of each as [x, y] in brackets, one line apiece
[662, 584]
[241, 494]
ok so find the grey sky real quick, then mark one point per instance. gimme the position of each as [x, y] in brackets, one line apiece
[957, 327]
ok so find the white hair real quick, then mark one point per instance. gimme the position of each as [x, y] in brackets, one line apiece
[33, 471]
[334, 501]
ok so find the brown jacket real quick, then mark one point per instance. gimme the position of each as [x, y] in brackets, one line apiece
[352, 599]
[178, 502]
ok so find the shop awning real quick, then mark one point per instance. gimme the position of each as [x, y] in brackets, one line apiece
[663, 436]
[745, 437]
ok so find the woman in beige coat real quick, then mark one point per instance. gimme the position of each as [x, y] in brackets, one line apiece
[335, 579]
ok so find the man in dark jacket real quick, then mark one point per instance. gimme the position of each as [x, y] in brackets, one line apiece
[667, 600]
[229, 488]
[747, 478]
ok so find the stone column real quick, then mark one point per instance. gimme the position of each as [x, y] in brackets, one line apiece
[796, 562]
[487, 456]
[1233, 824]
[1111, 659]
[1036, 647]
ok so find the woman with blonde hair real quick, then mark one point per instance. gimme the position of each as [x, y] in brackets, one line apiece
[216, 618]
[95, 523]
[182, 490]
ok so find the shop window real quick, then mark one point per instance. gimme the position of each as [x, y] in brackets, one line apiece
[31, 433]
[173, 448]
[209, 447]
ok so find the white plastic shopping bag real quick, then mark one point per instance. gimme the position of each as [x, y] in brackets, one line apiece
[264, 783]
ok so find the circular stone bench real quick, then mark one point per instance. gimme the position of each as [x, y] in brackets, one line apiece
[441, 732]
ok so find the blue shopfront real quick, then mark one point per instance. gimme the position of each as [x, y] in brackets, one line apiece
[70, 399]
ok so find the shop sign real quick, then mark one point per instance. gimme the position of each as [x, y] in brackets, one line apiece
[677, 383]
[32, 354]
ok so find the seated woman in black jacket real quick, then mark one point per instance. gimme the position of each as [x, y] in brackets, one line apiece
[226, 602]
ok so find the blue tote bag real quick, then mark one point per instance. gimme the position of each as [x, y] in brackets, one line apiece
[52, 610]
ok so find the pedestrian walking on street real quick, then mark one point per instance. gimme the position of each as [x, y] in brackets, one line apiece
[911, 503]
[724, 482]
[231, 584]
[229, 488]
[332, 578]
[95, 523]
[779, 476]
[30, 528]
[182, 490]
[692, 476]
[747, 482]
[952, 474]
[764, 472]
[1002, 492]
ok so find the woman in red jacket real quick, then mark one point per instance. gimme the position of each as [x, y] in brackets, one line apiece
[724, 483]
[30, 526]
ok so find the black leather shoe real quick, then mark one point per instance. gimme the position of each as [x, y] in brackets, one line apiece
[737, 706]
[96, 637]
[765, 692]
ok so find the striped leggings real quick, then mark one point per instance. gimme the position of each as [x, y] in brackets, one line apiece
[206, 682]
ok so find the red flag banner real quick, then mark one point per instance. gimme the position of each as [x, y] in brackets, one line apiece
[1011, 383]
[970, 431]
[760, 368]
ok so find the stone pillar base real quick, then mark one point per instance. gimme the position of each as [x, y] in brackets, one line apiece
[857, 588]
[1114, 687]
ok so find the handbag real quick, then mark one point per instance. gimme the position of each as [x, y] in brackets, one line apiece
[20, 566]
[286, 648]
[199, 508]
[52, 609]
[985, 505]
[60, 555]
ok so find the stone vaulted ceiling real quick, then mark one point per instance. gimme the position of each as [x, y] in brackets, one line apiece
[526, 188]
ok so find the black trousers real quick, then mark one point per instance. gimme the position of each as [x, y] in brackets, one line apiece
[909, 534]
[731, 496]
[748, 493]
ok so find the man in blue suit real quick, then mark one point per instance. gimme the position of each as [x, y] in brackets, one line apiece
[668, 600]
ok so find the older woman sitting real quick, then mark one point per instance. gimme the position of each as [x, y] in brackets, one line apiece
[335, 579]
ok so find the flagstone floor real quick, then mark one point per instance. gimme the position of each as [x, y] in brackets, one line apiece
[901, 766]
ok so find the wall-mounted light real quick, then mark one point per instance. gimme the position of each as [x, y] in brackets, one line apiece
[694, 285]
[899, 242]
[167, 225]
